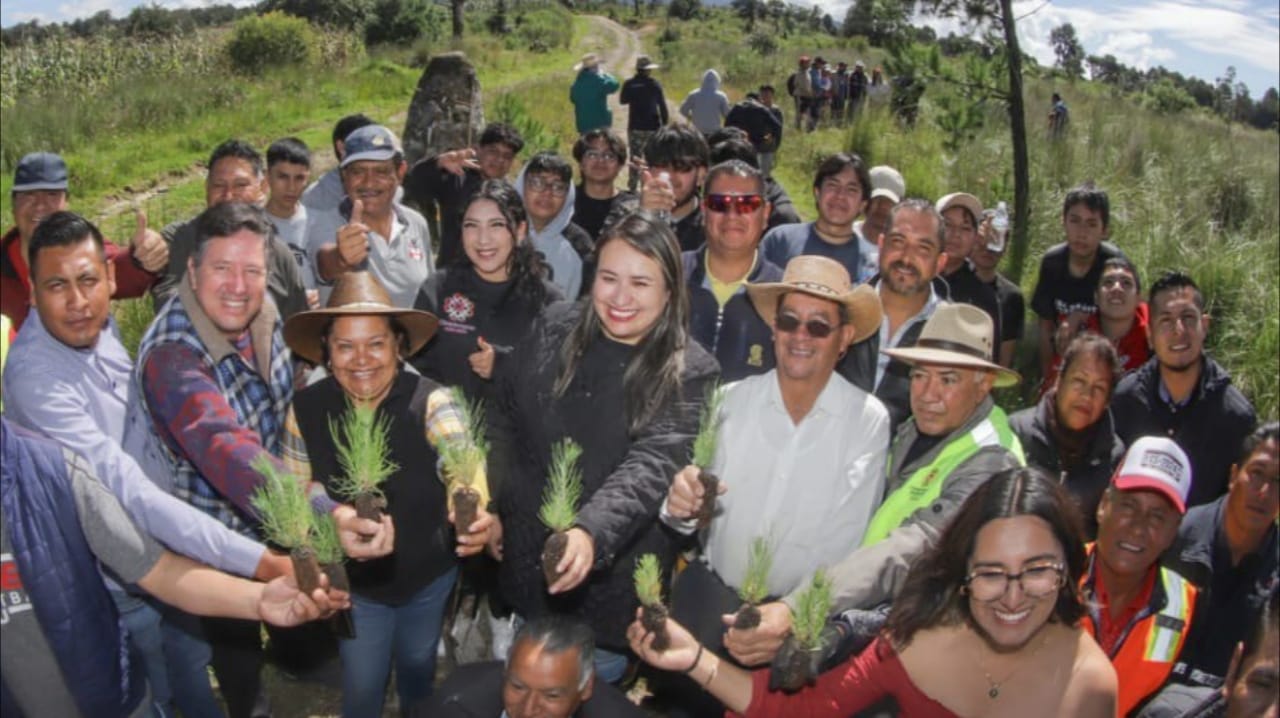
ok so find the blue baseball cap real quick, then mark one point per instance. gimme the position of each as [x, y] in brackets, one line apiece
[371, 142]
[40, 170]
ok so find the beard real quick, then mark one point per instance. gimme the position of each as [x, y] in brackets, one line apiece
[904, 287]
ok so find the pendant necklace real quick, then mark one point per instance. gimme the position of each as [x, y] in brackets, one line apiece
[993, 686]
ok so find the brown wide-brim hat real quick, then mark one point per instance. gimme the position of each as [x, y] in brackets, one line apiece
[824, 278]
[355, 294]
[958, 335]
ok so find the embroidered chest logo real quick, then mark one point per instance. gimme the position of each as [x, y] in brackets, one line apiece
[415, 250]
[459, 308]
[755, 355]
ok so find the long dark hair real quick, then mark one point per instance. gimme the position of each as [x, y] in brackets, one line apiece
[932, 596]
[653, 375]
[525, 267]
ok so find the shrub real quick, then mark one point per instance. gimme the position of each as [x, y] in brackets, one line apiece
[542, 30]
[1167, 98]
[271, 40]
[404, 21]
[762, 43]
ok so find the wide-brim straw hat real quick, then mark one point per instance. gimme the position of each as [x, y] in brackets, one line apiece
[958, 335]
[824, 278]
[587, 62]
[356, 294]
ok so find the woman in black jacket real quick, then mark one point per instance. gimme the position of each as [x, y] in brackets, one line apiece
[489, 298]
[618, 374]
[1069, 434]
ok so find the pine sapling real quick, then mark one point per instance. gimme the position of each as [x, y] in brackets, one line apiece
[755, 586]
[364, 451]
[332, 562]
[559, 510]
[653, 614]
[464, 460]
[704, 452]
[801, 654]
[287, 520]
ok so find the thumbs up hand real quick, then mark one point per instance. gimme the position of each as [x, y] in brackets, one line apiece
[482, 359]
[353, 238]
[149, 248]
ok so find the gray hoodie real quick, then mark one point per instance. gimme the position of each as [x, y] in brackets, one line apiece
[706, 106]
[566, 265]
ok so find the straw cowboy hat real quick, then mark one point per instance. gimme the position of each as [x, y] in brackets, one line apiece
[356, 294]
[957, 335]
[824, 278]
[588, 61]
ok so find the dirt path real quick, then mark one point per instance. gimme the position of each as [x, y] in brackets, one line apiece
[617, 46]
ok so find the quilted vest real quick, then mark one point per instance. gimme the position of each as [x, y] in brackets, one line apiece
[60, 575]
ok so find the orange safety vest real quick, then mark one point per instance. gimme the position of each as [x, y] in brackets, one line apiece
[1147, 650]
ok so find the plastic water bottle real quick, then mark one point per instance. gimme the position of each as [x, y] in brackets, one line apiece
[664, 214]
[1000, 228]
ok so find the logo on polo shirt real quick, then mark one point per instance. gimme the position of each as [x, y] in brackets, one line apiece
[415, 250]
[459, 308]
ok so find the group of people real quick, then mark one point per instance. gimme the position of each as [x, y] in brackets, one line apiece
[836, 96]
[1106, 551]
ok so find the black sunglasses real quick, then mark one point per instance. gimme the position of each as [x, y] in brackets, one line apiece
[739, 203]
[790, 324]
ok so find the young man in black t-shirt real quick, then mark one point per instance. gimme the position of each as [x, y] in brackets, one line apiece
[985, 258]
[601, 154]
[1064, 297]
[961, 212]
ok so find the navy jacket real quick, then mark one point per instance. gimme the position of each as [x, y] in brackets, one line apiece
[60, 574]
[736, 335]
[647, 107]
[1211, 427]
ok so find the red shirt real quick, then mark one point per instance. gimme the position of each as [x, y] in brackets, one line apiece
[843, 691]
[15, 277]
[1110, 631]
[1132, 347]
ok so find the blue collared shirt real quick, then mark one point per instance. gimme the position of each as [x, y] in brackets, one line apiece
[78, 398]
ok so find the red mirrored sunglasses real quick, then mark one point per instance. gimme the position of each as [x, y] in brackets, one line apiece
[740, 203]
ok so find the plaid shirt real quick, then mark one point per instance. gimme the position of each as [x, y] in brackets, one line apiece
[213, 406]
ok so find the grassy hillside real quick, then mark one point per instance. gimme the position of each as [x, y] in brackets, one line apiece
[1187, 191]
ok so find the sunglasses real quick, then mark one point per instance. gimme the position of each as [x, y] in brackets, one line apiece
[790, 324]
[740, 203]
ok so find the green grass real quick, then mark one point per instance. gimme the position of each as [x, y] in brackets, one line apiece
[1168, 176]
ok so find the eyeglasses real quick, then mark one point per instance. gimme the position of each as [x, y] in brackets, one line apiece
[790, 324]
[1035, 581]
[601, 155]
[538, 184]
[740, 203]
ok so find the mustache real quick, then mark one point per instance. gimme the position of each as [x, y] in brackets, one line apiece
[904, 267]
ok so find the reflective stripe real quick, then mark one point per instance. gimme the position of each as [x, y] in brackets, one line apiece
[1163, 642]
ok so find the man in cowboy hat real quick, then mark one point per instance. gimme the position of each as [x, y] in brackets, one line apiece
[801, 450]
[590, 94]
[957, 439]
[213, 381]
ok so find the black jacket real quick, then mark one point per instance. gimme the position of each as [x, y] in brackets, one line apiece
[1086, 482]
[475, 691]
[1231, 598]
[736, 335]
[470, 308]
[1211, 428]
[763, 128]
[859, 367]
[647, 107]
[436, 192]
[782, 210]
[625, 478]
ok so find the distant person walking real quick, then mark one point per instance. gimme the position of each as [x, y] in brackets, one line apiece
[857, 89]
[642, 94]
[762, 125]
[1059, 117]
[590, 93]
[706, 107]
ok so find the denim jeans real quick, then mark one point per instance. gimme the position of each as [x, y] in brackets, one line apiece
[407, 634]
[146, 644]
[188, 656]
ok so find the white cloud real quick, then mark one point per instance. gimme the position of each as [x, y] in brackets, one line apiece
[22, 16]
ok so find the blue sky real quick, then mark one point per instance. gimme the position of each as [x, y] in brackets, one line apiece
[1199, 38]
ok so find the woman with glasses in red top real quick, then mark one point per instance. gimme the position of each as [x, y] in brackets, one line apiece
[986, 624]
